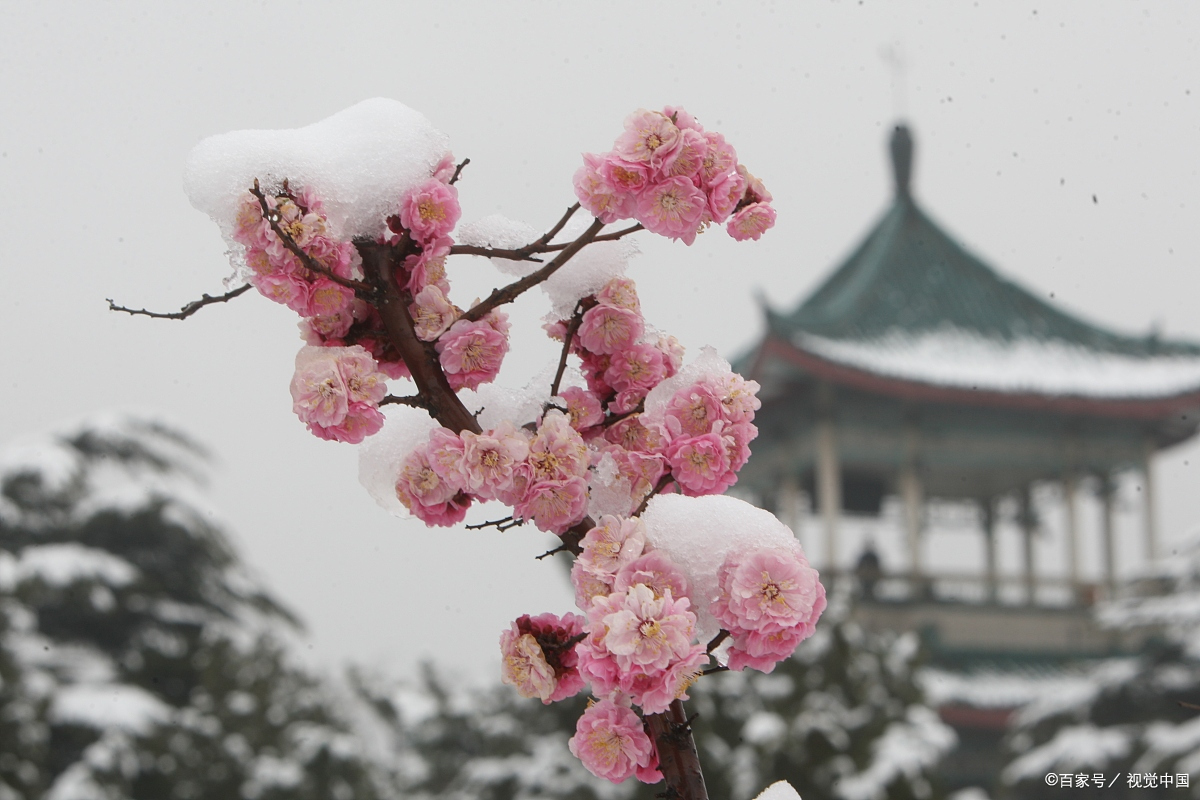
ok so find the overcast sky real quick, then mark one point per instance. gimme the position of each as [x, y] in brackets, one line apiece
[1058, 141]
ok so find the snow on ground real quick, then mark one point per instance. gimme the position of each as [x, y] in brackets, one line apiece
[952, 357]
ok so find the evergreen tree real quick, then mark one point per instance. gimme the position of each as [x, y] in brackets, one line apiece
[1132, 718]
[137, 657]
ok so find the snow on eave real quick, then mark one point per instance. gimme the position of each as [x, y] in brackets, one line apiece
[952, 357]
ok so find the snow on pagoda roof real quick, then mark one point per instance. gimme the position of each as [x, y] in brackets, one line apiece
[911, 303]
[963, 359]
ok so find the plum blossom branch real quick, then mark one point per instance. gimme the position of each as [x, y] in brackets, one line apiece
[716, 640]
[308, 261]
[414, 400]
[515, 289]
[525, 252]
[187, 310]
[499, 524]
[608, 237]
[572, 327]
[458, 171]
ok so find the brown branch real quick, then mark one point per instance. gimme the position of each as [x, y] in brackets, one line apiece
[1192, 706]
[677, 757]
[525, 252]
[572, 327]
[615, 418]
[714, 670]
[186, 311]
[414, 400]
[716, 641]
[380, 262]
[515, 289]
[499, 524]
[608, 237]
[310, 263]
[458, 171]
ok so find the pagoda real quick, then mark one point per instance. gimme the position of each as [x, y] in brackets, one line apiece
[915, 372]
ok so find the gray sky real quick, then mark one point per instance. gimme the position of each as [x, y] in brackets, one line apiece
[1023, 114]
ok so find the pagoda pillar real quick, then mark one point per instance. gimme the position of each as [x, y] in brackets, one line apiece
[991, 573]
[829, 475]
[912, 498]
[1149, 512]
[1107, 491]
[1070, 506]
[789, 506]
[1028, 527]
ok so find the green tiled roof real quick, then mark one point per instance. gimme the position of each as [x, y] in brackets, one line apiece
[908, 276]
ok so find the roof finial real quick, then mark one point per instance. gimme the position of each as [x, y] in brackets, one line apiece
[902, 158]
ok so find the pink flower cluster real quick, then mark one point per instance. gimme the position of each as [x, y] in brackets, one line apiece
[539, 657]
[611, 741]
[541, 475]
[336, 392]
[770, 601]
[675, 178]
[470, 353]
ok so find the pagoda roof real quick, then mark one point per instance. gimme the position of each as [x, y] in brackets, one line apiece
[912, 306]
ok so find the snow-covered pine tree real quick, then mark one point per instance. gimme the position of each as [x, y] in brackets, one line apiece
[137, 657]
[843, 719]
[1129, 718]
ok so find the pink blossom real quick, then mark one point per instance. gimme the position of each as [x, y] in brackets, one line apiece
[654, 570]
[444, 170]
[430, 210]
[249, 227]
[620, 292]
[557, 450]
[649, 136]
[444, 451]
[471, 353]
[594, 365]
[300, 226]
[654, 692]
[737, 438]
[361, 420]
[324, 329]
[583, 408]
[700, 464]
[554, 505]
[428, 268]
[762, 651]
[319, 394]
[614, 543]
[628, 177]
[490, 459]
[327, 297]
[756, 192]
[627, 400]
[724, 194]
[537, 659]
[674, 207]
[608, 329]
[432, 313]
[632, 435]
[588, 585]
[644, 630]
[738, 397]
[611, 742]
[259, 261]
[751, 222]
[768, 590]
[687, 160]
[639, 366]
[603, 201]
[290, 290]
[719, 159]
[693, 410]
[672, 352]
[431, 499]
[682, 119]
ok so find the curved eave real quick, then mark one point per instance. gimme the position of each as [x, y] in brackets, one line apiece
[822, 368]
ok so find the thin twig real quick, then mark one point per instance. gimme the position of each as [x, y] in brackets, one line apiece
[712, 670]
[525, 252]
[458, 171]
[562, 548]
[499, 524]
[186, 311]
[608, 237]
[515, 289]
[572, 327]
[615, 418]
[1192, 706]
[662, 484]
[308, 261]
